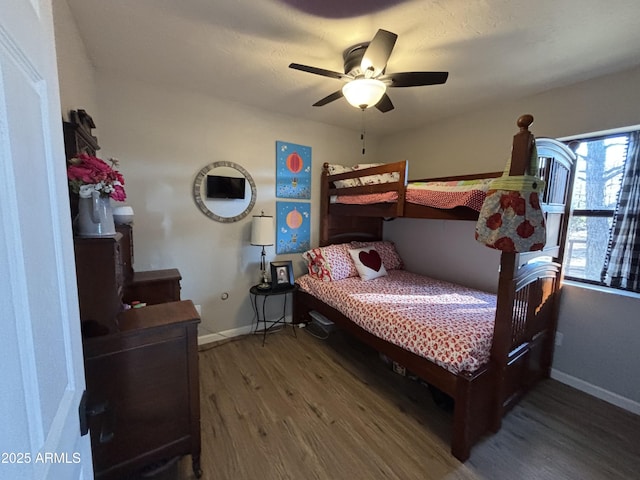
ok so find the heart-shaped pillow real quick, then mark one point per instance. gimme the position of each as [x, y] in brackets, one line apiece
[370, 259]
[368, 263]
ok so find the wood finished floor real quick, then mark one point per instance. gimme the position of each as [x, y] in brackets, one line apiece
[300, 408]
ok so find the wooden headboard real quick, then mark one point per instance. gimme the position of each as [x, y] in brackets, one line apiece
[349, 228]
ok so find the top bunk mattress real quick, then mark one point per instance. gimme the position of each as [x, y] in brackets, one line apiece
[449, 324]
[461, 193]
[444, 195]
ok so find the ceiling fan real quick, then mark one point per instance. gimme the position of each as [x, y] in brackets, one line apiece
[365, 77]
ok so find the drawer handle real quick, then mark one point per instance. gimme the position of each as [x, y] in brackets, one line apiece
[99, 409]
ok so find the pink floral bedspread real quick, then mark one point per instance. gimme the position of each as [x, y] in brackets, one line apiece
[449, 324]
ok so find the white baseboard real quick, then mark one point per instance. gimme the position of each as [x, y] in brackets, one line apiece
[205, 338]
[598, 392]
[216, 337]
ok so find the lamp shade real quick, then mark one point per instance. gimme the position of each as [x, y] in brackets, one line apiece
[364, 92]
[262, 231]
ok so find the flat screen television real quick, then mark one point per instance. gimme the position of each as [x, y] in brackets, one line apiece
[225, 187]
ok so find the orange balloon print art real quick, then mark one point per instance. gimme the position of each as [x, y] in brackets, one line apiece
[294, 219]
[293, 171]
[294, 162]
[293, 227]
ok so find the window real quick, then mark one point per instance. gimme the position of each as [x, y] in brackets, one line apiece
[603, 170]
[599, 168]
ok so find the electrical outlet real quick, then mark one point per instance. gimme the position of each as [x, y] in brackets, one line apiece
[559, 338]
[198, 309]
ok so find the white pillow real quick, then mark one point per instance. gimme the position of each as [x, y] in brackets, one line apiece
[376, 179]
[368, 263]
[335, 169]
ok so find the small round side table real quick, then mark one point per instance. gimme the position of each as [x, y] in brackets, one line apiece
[264, 294]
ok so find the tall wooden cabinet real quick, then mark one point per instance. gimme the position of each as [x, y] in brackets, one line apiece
[142, 401]
[100, 283]
[77, 134]
[106, 279]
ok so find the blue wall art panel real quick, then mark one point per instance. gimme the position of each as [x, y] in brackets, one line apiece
[293, 171]
[293, 223]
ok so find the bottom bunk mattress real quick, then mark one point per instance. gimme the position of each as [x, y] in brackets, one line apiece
[448, 324]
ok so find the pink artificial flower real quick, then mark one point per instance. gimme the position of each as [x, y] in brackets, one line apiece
[88, 170]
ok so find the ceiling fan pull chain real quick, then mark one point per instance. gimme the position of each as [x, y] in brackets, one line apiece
[362, 134]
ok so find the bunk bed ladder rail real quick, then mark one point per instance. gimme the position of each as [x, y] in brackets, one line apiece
[504, 360]
[557, 169]
[526, 313]
[484, 392]
[525, 326]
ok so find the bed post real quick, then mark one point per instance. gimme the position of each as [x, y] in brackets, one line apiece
[474, 403]
[523, 143]
[324, 206]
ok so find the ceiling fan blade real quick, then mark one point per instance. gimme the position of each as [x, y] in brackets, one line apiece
[328, 99]
[385, 105]
[319, 71]
[377, 55]
[414, 79]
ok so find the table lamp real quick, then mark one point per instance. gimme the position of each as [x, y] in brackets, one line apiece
[262, 233]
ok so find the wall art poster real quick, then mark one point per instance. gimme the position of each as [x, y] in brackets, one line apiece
[293, 225]
[293, 171]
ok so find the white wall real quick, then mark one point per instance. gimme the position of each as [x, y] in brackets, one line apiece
[75, 70]
[601, 330]
[162, 138]
[446, 250]
[601, 340]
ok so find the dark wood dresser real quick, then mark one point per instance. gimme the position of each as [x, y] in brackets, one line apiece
[142, 384]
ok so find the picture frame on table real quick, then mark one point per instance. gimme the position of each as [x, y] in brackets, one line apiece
[282, 275]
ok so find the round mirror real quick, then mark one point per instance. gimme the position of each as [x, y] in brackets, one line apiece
[224, 191]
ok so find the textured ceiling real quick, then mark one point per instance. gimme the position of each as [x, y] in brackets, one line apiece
[241, 49]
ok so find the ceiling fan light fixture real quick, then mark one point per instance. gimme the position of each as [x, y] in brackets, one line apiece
[364, 92]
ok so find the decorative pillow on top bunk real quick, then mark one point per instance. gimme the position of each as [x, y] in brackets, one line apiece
[330, 263]
[368, 263]
[335, 169]
[387, 250]
[376, 179]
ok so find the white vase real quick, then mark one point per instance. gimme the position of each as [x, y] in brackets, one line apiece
[95, 217]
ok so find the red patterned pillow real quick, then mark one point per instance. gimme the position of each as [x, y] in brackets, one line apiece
[329, 263]
[368, 263]
[387, 250]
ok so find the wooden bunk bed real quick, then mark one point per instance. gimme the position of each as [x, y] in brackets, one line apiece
[527, 299]
[401, 206]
